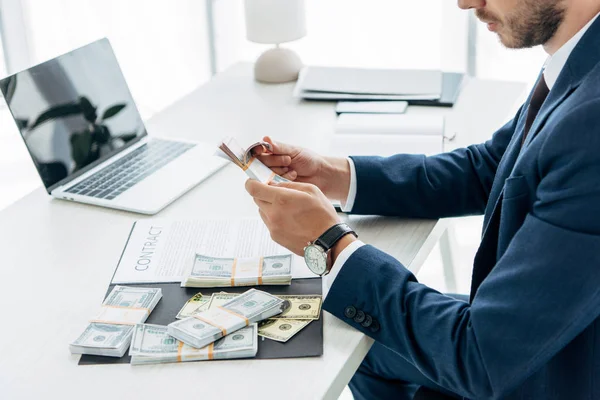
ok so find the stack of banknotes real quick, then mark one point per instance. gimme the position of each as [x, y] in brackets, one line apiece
[109, 333]
[152, 344]
[208, 326]
[231, 150]
[298, 312]
[223, 272]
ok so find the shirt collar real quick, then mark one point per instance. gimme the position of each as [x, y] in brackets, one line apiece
[555, 63]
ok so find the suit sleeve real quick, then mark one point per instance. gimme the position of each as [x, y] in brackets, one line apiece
[446, 185]
[541, 294]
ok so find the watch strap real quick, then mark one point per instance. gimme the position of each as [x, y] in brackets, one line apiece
[331, 236]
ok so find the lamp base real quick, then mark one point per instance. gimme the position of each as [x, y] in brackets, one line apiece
[277, 65]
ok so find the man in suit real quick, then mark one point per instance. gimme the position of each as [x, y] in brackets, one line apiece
[531, 327]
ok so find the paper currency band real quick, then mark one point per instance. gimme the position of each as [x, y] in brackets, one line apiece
[259, 271]
[246, 320]
[210, 351]
[235, 260]
[245, 167]
[271, 178]
[179, 347]
[219, 327]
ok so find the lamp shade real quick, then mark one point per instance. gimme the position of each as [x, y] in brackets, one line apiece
[275, 21]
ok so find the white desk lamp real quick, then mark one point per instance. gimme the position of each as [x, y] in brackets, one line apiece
[276, 22]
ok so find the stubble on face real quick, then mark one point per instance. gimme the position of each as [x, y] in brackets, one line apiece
[531, 23]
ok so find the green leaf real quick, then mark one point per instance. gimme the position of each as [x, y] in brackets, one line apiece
[9, 85]
[81, 144]
[60, 111]
[89, 111]
[112, 111]
[126, 137]
[21, 123]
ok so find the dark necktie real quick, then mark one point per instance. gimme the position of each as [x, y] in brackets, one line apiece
[537, 99]
[485, 258]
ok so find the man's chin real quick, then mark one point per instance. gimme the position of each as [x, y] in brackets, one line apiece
[509, 42]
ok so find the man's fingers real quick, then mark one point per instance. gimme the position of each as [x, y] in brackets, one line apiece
[262, 205]
[257, 151]
[300, 186]
[275, 161]
[291, 175]
[281, 148]
[280, 171]
[261, 191]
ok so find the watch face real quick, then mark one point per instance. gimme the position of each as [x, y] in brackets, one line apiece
[316, 259]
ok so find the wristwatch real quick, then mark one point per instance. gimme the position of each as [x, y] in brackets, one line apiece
[316, 254]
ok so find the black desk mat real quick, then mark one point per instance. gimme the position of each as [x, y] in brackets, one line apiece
[307, 343]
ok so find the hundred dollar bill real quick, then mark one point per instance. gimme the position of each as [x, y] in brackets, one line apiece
[301, 307]
[232, 151]
[281, 330]
[210, 325]
[109, 333]
[192, 306]
[152, 344]
[210, 271]
[218, 299]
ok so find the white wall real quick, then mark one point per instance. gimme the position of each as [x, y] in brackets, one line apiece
[374, 33]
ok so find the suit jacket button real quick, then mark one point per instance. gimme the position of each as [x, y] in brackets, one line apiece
[350, 312]
[360, 316]
[375, 326]
[368, 321]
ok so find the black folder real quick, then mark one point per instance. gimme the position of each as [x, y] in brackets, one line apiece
[452, 84]
[306, 343]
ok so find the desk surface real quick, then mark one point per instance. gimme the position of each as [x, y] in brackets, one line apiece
[58, 257]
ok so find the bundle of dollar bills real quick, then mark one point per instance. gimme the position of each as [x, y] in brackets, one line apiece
[298, 312]
[152, 344]
[231, 150]
[109, 333]
[222, 272]
[208, 326]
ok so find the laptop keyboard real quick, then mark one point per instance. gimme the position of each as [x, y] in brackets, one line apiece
[123, 174]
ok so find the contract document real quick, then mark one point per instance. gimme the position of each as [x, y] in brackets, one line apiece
[159, 250]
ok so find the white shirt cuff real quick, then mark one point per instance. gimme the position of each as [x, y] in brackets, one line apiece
[339, 264]
[347, 206]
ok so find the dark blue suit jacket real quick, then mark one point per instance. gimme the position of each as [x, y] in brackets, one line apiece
[532, 329]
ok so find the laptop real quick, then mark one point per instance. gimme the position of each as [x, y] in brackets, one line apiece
[87, 139]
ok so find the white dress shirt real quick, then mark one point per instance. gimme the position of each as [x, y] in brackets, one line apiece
[552, 69]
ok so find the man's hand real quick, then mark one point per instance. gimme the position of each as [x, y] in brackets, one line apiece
[331, 175]
[295, 213]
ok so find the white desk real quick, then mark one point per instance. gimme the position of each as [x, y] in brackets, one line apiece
[58, 258]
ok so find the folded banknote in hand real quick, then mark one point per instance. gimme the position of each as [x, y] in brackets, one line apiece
[231, 150]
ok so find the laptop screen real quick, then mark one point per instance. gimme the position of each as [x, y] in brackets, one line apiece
[73, 111]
